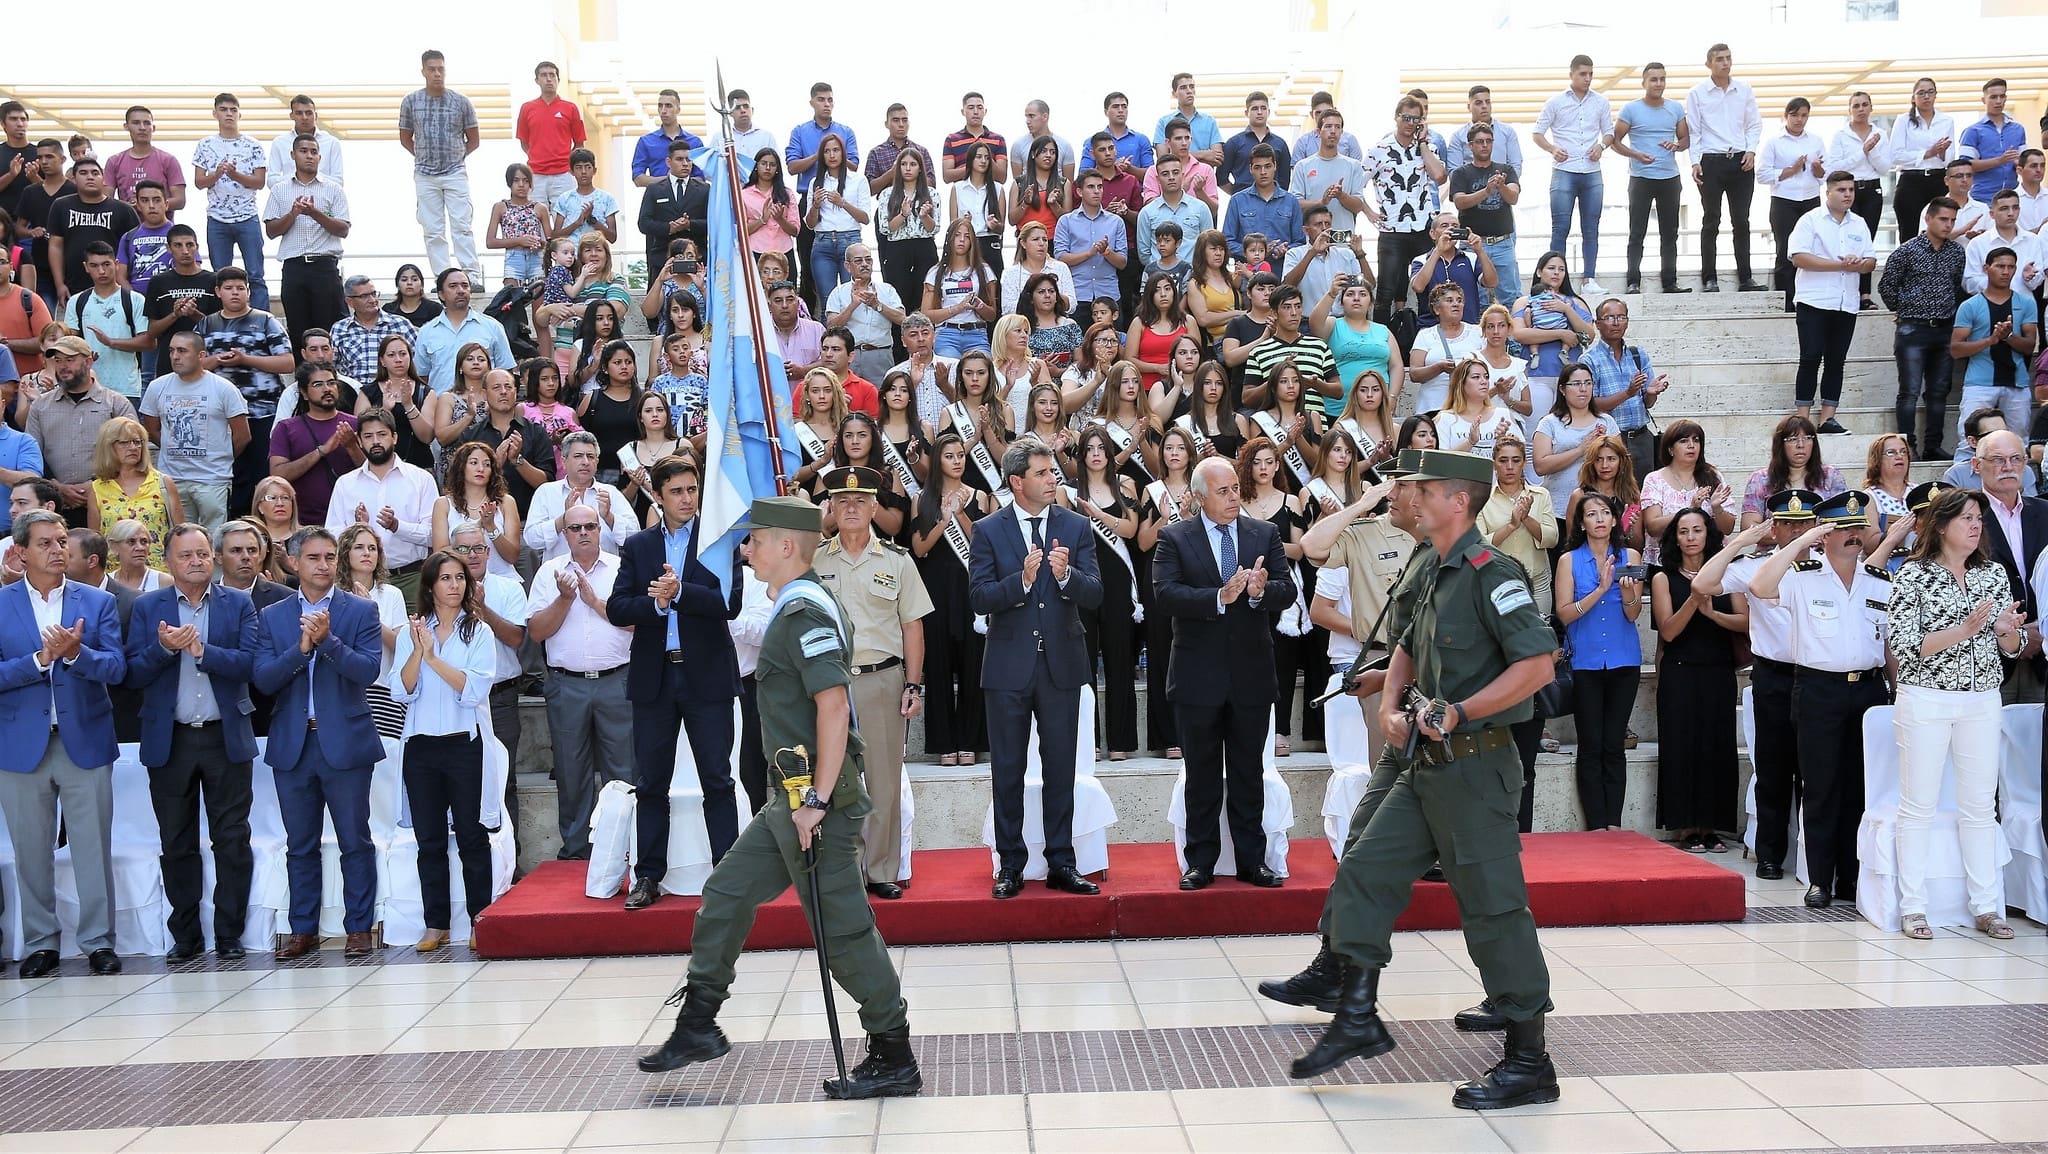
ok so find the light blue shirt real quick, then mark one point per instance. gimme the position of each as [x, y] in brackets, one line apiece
[1077, 231]
[440, 339]
[1507, 147]
[1649, 127]
[1202, 130]
[196, 702]
[1192, 216]
[803, 142]
[434, 707]
[1981, 372]
[569, 205]
[1210, 529]
[676, 544]
[1131, 146]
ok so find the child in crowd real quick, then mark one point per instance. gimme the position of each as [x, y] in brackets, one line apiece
[1254, 262]
[519, 227]
[1166, 237]
[1103, 310]
[559, 291]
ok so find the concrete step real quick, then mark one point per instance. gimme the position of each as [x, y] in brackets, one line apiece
[1717, 337]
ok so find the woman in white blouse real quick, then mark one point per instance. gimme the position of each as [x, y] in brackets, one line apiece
[838, 208]
[1923, 142]
[979, 199]
[1858, 149]
[1034, 256]
[1473, 419]
[363, 574]
[446, 661]
[1439, 347]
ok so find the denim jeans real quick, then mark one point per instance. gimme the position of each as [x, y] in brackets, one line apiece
[828, 260]
[223, 238]
[1509, 289]
[523, 264]
[1585, 188]
[956, 340]
[1921, 351]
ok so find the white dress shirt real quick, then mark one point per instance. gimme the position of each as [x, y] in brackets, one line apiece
[587, 642]
[831, 217]
[1845, 152]
[2033, 208]
[1820, 234]
[1910, 143]
[2027, 246]
[756, 611]
[1770, 622]
[49, 611]
[1723, 120]
[1576, 124]
[506, 597]
[307, 236]
[870, 329]
[434, 707]
[406, 489]
[281, 164]
[1334, 584]
[1835, 627]
[1779, 154]
[1215, 539]
[551, 500]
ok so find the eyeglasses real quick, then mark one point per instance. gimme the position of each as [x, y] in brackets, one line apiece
[469, 550]
[2006, 461]
[1923, 92]
[366, 295]
[588, 527]
[126, 441]
[1796, 439]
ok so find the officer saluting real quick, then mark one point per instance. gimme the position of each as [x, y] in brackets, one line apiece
[1775, 753]
[876, 582]
[1842, 667]
[802, 682]
[1462, 672]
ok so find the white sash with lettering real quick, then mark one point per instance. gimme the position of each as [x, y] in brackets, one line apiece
[957, 538]
[977, 452]
[1121, 438]
[901, 468]
[1202, 446]
[1321, 491]
[812, 442]
[1270, 426]
[1116, 545]
[1157, 492]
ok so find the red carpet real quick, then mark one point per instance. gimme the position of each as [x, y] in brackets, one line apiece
[1575, 879]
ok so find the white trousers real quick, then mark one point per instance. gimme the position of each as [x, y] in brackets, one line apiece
[444, 208]
[1936, 727]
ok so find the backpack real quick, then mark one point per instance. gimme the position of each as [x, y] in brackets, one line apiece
[512, 308]
[78, 310]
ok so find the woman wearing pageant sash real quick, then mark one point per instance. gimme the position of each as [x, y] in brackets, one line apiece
[860, 443]
[940, 537]
[1111, 502]
[818, 408]
[1166, 501]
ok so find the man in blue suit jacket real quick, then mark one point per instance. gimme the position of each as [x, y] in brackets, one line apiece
[60, 647]
[1222, 577]
[191, 650]
[1032, 570]
[319, 652]
[683, 673]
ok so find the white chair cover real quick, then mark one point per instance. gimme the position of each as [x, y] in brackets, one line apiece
[908, 808]
[1877, 879]
[689, 843]
[1094, 813]
[2019, 810]
[1344, 735]
[1276, 816]
[1795, 848]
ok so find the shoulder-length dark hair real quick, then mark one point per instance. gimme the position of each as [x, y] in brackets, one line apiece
[456, 486]
[1679, 430]
[1027, 181]
[778, 192]
[1148, 308]
[845, 166]
[928, 500]
[1090, 436]
[1667, 541]
[529, 372]
[472, 597]
[1936, 516]
[992, 204]
[1027, 299]
[1779, 474]
[586, 330]
[1616, 544]
[876, 460]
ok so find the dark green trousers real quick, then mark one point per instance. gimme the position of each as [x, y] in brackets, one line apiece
[1385, 770]
[764, 862]
[1463, 816]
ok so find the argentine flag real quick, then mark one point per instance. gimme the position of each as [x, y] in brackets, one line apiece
[738, 462]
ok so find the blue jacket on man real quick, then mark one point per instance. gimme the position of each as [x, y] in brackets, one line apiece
[227, 657]
[349, 657]
[84, 716]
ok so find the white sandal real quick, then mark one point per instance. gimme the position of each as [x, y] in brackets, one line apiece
[1915, 926]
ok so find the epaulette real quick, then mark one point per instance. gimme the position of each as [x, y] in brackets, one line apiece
[1807, 566]
[1878, 571]
[831, 544]
[1753, 555]
[1479, 555]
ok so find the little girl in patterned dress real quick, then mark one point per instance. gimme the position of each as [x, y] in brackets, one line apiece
[561, 276]
[518, 226]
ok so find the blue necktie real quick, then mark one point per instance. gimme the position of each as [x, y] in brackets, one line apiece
[1229, 565]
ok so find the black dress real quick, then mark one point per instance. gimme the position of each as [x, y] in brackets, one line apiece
[1305, 658]
[1696, 710]
[952, 651]
[615, 424]
[1113, 640]
[1161, 732]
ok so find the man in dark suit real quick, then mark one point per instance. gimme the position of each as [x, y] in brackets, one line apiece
[1221, 682]
[683, 672]
[319, 652]
[242, 550]
[60, 647]
[88, 566]
[674, 207]
[2001, 463]
[1031, 571]
[191, 649]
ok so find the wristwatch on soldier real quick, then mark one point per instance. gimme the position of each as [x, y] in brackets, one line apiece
[813, 801]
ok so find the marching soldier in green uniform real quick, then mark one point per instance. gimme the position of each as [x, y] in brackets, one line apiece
[876, 582]
[1362, 547]
[802, 682]
[1464, 669]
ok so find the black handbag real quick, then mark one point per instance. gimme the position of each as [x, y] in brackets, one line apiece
[1558, 698]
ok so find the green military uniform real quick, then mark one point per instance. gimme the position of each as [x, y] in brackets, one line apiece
[803, 653]
[880, 592]
[1457, 804]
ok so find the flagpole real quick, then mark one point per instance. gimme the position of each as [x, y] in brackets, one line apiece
[749, 281]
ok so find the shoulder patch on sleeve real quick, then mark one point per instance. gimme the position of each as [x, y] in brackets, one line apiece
[1509, 596]
[1481, 557]
[818, 642]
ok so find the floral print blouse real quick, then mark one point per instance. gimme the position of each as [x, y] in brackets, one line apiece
[1926, 599]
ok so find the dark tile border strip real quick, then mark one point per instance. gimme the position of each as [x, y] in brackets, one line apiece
[603, 1078]
[1781, 914]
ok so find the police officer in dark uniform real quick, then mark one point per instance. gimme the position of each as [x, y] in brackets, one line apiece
[802, 678]
[1841, 667]
[1465, 669]
[1775, 756]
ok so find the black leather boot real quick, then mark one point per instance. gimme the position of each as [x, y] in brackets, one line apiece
[1319, 987]
[1522, 1078]
[1481, 1019]
[697, 1037]
[890, 1070]
[1357, 1031]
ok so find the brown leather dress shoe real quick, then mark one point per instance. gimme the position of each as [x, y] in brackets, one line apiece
[297, 945]
[359, 945]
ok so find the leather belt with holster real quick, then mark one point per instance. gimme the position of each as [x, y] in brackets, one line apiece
[1459, 745]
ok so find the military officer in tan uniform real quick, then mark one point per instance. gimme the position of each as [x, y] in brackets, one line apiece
[877, 584]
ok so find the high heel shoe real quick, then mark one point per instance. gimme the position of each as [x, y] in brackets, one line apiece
[432, 940]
